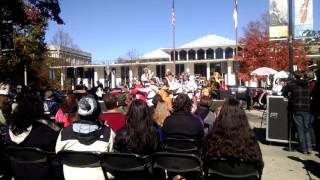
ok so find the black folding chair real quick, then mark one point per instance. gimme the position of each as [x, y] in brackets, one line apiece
[126, 166]
[80, 159]
[28, 163]
[177, 145]
[221, 169]
[187, 165]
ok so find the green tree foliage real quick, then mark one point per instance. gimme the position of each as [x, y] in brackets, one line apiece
[28, 21]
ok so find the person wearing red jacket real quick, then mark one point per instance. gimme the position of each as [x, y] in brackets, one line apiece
[113, 117]
[138, 94]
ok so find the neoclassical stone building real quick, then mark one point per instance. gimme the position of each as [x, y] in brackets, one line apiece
[200, 58]
[69, 55]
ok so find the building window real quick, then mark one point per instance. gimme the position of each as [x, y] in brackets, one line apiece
[229, 53]
[210, 53]
[200, 54]
[236, 66]
[200, 69]
[219, 53]
[183, 55]
[176, 55]
[161, 71]
[179, 69]
[192, 54]
[125, 74]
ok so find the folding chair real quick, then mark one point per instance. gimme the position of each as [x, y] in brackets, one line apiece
[126, 165]
[85, 161]
[181, 145]
[221, 169]
[28, 163]
[187, 165]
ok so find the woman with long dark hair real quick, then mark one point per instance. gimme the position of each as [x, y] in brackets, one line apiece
[231, 138]
[140, 135]
[27, 128]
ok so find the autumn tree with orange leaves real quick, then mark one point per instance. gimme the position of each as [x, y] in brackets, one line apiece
[259, 51]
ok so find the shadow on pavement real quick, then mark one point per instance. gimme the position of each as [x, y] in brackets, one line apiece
[310, 165]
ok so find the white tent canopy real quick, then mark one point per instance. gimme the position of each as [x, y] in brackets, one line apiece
[281, 75]
[263, 71]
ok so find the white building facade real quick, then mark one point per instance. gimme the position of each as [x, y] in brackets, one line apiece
[200, 58]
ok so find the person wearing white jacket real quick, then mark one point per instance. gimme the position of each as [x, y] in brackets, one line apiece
[85, 135]
[151, 90]
[189, 86]
[174, 85]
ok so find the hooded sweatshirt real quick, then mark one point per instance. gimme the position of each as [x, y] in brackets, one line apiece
[85, 135]
[299, 96]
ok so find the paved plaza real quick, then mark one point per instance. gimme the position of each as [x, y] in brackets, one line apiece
[281, 164]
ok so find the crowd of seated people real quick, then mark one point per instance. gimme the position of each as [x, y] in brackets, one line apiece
[141, 130]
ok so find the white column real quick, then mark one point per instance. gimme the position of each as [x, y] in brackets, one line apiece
[73, 79]
[130, 77]
[233, 53]
[196, 55]
[61, 79]
[178, 59]
[214, 54]
[95, 77]
[113, 80]
[187, 56]
[224, 53]
[208, 70]
[191, 68]
[229, 73]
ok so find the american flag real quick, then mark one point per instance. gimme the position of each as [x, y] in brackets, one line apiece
[235, 14]
[173, 18]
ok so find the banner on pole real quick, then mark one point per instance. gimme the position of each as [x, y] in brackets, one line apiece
[278, 13]
[303, 16]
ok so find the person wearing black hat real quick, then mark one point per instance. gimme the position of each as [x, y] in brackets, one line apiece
[87, 134]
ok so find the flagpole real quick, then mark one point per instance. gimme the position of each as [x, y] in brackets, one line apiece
[235, 16]
[174, 37]
[236, 26]
[174, 51]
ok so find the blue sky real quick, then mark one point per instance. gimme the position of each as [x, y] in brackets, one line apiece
[110, 28]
